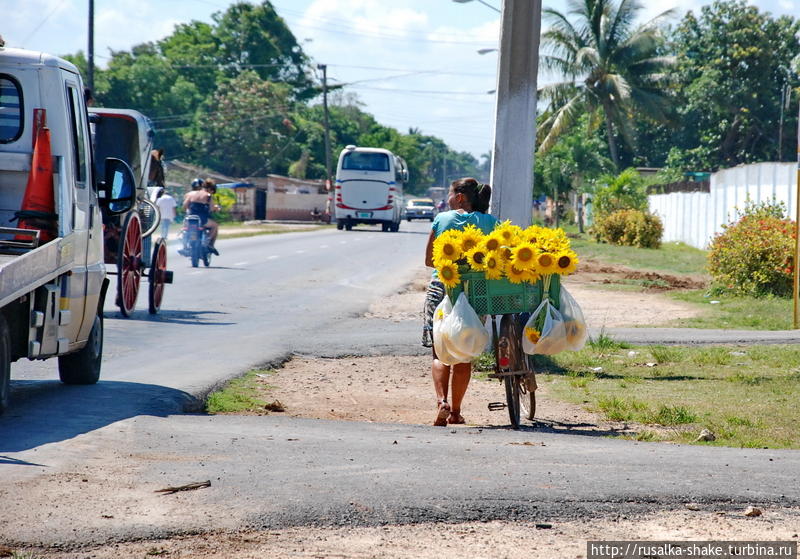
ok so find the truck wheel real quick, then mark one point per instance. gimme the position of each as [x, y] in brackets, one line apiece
[83, 366]
[348, 225]
[386, 226]
[339, 225]
[395, 227]
[5, 365]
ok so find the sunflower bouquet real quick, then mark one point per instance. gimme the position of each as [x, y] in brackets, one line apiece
[519, 256]
[510, 252]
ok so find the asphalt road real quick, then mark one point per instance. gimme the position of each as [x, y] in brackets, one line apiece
[263, 298]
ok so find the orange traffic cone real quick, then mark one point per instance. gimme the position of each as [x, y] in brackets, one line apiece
[39, 205]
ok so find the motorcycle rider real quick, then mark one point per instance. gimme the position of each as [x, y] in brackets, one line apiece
[198, 202]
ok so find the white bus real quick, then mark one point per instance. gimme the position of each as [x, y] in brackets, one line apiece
[369, 188]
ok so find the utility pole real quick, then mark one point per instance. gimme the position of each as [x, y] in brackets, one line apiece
[324, 68]
[515, 112]
[90, 50]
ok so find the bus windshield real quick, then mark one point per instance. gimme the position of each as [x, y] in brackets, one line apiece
[365, 161]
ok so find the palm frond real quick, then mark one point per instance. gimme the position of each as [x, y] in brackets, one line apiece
[563, 118]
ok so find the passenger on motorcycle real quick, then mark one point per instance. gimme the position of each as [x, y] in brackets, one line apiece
[199, 202]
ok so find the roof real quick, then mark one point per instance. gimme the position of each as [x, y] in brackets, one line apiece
[24, 57]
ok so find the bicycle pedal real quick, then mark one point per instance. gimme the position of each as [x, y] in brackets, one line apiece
[497, 406]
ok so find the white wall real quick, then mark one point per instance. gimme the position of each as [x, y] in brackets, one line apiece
[695, 217]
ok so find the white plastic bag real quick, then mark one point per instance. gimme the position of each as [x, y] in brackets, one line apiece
[464, 333]
[574, 323]
[440, 341]
[552, 338]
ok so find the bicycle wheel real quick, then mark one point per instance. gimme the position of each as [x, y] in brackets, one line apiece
[511, 383]
[527, 395]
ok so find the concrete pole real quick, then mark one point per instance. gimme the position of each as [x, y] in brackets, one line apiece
[90, 50]
[515, 111]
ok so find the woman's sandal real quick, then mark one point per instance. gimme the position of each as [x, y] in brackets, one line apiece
[456, 418]
[442, 415]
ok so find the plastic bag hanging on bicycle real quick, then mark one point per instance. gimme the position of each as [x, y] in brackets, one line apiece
[464, 331]
[544, 333]
[574, 323]
[441, 342]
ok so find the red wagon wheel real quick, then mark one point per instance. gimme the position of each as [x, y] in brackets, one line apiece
[158, 275]
[129, 264]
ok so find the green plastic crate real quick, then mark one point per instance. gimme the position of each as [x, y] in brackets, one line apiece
[500, 296]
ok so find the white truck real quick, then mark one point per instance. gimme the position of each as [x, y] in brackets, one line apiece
[52, 271]
[369, 188]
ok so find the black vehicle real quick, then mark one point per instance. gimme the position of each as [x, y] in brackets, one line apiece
[195, 241]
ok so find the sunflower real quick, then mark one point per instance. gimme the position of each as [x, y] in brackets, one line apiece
[516, 275]
[495, 265]
[448, 273]
[493, 241]
[532, 334]
[533, 234]
[523, 256]
[546, 263]
[510, 233]
[566, 262]
[471, 237]
[447, 247]
[476, 258]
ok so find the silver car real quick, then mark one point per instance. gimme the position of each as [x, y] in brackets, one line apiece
[420, 208]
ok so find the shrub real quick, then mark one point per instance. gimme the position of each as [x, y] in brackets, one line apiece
[629, 228]
[626, 191]
[754, 256]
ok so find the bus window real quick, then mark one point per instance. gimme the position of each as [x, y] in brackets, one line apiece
[365, 161]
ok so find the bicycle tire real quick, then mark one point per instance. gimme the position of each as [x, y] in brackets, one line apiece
[527, 400]
[511, 383]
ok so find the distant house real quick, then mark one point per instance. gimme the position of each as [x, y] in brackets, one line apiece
[276, 197]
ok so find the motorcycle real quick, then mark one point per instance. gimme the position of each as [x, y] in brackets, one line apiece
[195, 241]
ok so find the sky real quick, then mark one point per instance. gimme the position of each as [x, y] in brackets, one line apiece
[412, 63]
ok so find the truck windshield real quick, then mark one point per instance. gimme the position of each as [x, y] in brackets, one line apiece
[363, 161]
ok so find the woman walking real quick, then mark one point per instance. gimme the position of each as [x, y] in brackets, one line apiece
[469, 203]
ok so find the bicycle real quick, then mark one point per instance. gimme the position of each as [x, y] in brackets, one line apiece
[513, 304]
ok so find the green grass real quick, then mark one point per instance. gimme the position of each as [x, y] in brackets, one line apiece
[672, 258]
[735, 313]
[745, 395]
[239, 395]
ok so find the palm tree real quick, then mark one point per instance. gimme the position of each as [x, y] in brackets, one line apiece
[609, 69]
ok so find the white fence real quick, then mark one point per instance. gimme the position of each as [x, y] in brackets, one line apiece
[695, 217]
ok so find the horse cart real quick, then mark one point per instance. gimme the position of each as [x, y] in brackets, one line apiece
[128, 238]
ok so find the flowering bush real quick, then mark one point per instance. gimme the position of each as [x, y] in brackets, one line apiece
[754, 256]
[630, 228]
[520, 255]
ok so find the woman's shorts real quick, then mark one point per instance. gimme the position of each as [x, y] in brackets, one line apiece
[433, 297]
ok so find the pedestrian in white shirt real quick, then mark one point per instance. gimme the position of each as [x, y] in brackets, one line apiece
[166, 205]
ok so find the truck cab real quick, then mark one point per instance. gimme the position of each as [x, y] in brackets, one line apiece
[52, 271]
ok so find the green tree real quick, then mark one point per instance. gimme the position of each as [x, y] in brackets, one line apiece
[255, 37]
[244, 129]
[610, 69]
[733, 63]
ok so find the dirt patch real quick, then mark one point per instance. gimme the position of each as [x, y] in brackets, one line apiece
[609, 308]
[400, 390]
[510, 540]
[597, 272]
